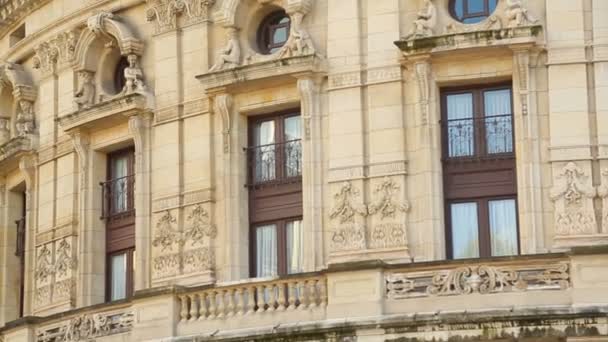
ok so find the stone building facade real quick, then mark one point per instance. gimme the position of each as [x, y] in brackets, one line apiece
[303, 170]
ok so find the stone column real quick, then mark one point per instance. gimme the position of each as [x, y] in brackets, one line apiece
[140, 127]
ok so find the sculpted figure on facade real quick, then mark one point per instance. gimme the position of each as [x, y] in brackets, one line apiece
[25, 118]
[85, 96]
[573, 197]
[134, 82]
[230, 55]
[517, 15]
[299, 42]
[5, 130]
[425, 22]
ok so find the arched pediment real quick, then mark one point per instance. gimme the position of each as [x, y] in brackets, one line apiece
[227, 13]
[103, 30]
[14, 76]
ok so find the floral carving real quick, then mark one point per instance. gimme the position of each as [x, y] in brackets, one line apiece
[200, 226]
[483, 279]
[64, 260]
[165, 12]
[58, 49]
[344, 210]
[166, 236]
[198, 259]
[385, 204]
[573, 202]
[349, 237]
[87, 327]
[44, 268]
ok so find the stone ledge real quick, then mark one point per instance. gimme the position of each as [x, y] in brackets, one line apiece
[273, 69]
[15, 148]
[469, 40]
[118, 109]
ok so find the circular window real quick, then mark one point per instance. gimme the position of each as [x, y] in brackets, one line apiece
[273, 32]
[472, 11]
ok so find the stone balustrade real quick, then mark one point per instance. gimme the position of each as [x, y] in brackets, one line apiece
[253, 298]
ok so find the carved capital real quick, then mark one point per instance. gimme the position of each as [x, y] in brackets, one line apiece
[309, 89]
[222, 104]
[422, 69]
[522, 61]
[165, 13]
[81, 143]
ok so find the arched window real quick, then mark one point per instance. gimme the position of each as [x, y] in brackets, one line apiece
[119, 74]
[273, 32]
[472, 11]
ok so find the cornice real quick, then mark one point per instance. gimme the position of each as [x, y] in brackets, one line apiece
[13, 11]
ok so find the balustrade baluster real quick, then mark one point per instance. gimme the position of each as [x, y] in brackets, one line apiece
[271, 297]
[212, 305]
[231, 305]
[281, 300]
[250, 300]
[291, 293]
[322, 292]
[240, 301]
[193, 308]
[184, 309]
[221, 305]
[202, 306]
[303, 295]
[261, 299]
[312, 293]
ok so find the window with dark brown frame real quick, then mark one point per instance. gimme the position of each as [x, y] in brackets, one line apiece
[479, 171]
[119, 215]
[273, 32]
[472, 11]
[275, 194]
[20, 253]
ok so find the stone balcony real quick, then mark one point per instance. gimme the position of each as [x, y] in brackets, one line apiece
[13, 149]
[551, 295]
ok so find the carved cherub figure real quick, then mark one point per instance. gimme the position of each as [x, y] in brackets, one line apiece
[299, 42]
[133, 76]
[425, 21]
[230, 55]
[517, 14]
[85, 96]
[25, 118]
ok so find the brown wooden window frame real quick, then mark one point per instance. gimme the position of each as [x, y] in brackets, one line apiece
[270, 24]
[20, 252]
[120, 226]
[466, 14]
[480, 162]
[282, 187]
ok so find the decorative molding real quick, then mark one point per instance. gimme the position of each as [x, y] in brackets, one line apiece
[165, 13]
[573, 195]
[345, 80]
[81, 142]
[309, 98]
[13, 150]
[186, 198]
[53, 276]
[423, 74]
[482, 279]
[522, 61]
[14, 76]
[223, 106]
[57, 52]
[87, 327]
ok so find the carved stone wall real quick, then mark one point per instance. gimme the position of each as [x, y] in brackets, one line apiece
[55, 273]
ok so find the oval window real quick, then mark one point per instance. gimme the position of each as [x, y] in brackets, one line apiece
[472, 11]
[274, 32]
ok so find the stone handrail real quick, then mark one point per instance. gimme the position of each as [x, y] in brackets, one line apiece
[253, 298]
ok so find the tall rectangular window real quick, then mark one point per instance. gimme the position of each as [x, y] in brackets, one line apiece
[275, 194]
[119, 214]
[479, 172]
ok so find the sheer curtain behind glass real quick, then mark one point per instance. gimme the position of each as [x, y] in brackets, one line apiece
[499, 131]
[460, 125]
[266, 250]
[465, 230]
[118, 277]
[120, 170]
[503, 227]
[295, 252]
[293, 149]
[265, 152]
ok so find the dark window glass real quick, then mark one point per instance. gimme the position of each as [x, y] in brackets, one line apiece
[119, 74]
[274, 32]
[472, 11]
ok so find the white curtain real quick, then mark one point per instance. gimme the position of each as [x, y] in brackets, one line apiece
[265, 155]
[295, 252]
[460, 125]
[465, 231]
[266, 251]
[120, 169]
[499, 127]
[293, 149]
[503, 227]
[119, 277]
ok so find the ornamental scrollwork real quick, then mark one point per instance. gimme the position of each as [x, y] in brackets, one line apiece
[87, 327]
[64, 261]
[385, 204]
[200, 226]
[44, 268]
[164, 13]
[166, 236]
[573, 196]
[344, 209]
[482, 279]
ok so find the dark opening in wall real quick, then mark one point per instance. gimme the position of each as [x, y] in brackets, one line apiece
[17, 35]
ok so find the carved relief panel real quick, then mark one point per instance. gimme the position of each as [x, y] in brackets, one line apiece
[55, 273]
[348, 219]
[388, 214]
[183, 248]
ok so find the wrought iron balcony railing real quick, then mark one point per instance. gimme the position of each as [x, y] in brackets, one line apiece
[117, 196]
[20, 243]
[480, 137]
[275, 163]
